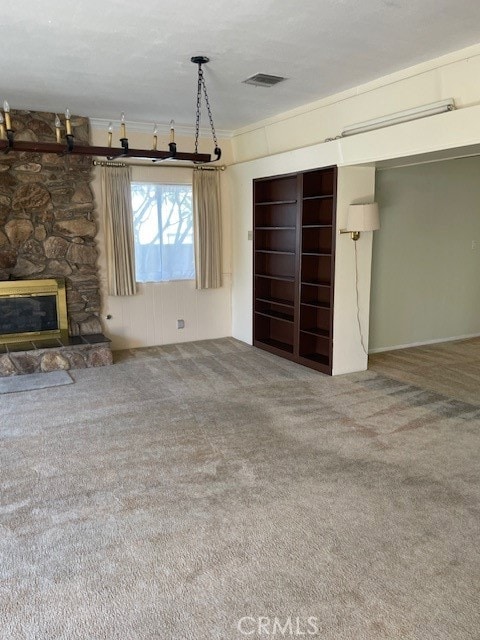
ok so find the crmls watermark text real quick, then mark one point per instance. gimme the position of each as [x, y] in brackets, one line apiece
[266, 626]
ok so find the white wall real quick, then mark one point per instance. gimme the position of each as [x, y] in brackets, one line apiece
[150, 317]
[271, 148]
[356, 185]
[425, 272]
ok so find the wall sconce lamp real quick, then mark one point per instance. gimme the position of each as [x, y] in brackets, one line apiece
[362, 217]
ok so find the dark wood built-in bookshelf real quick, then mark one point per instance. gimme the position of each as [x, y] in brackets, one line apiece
[293, 267]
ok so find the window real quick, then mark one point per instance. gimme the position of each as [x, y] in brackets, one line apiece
[163, 232]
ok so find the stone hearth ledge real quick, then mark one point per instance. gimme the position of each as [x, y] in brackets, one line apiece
[84, 352]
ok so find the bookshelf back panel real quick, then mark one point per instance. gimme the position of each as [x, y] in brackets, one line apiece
[315, 319]
[275, 290]
[277, 265]
[274, 332]
[316, 269]
[314, 346]
[319, 296]
[317, 211]
[277, 189]
[276, 215]
[317, 240]
[318, 183]
[275, 240]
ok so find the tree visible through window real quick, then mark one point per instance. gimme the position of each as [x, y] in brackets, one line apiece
[163, 232]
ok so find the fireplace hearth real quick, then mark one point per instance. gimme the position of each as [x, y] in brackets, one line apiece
[76, 352]
[34, 331]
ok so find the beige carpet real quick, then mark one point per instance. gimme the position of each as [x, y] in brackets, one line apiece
[450, 368]
[190, 489]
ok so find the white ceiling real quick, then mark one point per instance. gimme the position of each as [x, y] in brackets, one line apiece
[101, 57]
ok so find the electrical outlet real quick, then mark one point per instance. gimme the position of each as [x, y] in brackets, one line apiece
[250, 235]
[474, 245]
[180, 324]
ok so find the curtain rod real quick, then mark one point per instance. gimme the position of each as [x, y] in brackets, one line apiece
[106, 163]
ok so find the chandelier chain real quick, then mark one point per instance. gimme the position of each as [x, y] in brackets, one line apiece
[201, 85]
[199, 106]
[209, 111]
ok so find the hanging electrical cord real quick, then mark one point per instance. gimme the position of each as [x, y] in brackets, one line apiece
[362, 341]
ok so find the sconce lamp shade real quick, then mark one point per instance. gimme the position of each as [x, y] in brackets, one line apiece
[363, 217]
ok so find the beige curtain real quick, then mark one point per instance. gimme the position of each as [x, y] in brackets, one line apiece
[117, 208]
[207, 220]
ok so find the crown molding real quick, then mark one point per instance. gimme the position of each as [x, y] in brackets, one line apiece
[102, 124]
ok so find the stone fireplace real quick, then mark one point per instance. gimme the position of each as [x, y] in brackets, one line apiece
[48, 228]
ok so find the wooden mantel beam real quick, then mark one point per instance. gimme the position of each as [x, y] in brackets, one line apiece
[108, 152]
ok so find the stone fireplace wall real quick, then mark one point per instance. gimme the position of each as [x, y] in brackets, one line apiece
[47, 224]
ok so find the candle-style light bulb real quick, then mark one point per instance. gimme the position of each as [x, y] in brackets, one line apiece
[58, 124]
[68, 124]
[110, 132]
[122, 126]
[172, 130]
[155, 137]
[2, 127]
[8, 122]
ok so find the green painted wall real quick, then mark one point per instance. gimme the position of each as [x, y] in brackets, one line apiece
[425, 275]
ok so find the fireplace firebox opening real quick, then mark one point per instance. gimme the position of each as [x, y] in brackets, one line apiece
[33, 309]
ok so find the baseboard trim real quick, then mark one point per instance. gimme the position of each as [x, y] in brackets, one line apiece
[423, 343]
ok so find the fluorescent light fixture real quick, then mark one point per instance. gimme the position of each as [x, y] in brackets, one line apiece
[401, 116]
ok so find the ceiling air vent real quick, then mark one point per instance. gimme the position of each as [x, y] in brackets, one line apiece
[263, 80]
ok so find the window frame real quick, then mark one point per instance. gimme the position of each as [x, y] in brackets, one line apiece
[169, 183]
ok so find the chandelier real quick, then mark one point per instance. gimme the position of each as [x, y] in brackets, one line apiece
[69, 145]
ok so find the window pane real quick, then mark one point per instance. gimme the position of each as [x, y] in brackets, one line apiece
[163, 231]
